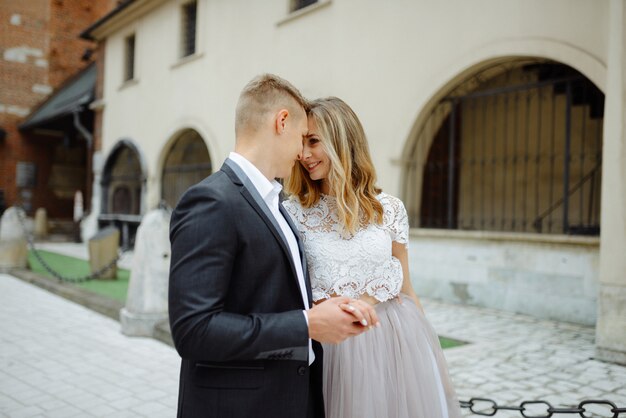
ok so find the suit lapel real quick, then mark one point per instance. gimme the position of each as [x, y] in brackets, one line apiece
[296, 233]
[255, 200]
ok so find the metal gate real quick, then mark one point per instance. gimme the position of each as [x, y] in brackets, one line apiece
[521, 152]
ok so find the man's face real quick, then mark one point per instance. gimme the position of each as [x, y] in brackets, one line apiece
[289, 150]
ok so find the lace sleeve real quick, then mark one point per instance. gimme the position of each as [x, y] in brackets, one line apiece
[396, 219]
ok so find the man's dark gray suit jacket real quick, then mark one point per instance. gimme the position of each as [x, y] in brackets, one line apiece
[235, 306]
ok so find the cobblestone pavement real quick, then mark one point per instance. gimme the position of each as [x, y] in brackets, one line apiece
[514, 358]
[58, 359]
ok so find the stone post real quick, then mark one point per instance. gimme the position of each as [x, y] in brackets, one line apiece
[13, 243]
[611, 325]
[41, 223]
[146, 303]
[103, 249]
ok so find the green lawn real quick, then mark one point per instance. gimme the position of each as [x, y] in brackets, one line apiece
[74, 267]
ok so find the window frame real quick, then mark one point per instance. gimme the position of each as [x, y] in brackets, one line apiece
[130, 61]
[185, 33]
[294, 5]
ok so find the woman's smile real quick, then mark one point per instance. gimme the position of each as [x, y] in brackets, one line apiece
[312, 166]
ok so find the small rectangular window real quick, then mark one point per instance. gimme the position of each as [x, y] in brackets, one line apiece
[188, 37]
[129, 66]
[301, 4]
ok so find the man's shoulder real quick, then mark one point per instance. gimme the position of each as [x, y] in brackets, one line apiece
[216, 188]
[218, 183]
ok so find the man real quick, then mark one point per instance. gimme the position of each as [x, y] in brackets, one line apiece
[239, 296]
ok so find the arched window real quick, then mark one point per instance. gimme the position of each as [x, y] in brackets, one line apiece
[122, 184]
[122, 181]
[186, 163]
[515, 148]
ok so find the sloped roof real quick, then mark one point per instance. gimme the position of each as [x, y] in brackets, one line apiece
[77, 92]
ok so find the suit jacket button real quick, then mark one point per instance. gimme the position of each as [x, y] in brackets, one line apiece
[301, 370]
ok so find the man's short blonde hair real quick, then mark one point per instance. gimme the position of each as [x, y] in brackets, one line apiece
[263, 94]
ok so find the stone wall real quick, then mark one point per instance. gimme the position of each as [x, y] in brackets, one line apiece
[546, 277]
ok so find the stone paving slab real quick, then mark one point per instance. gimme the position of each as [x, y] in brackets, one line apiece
[59, 359]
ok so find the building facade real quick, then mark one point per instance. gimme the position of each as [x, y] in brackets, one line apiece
[500, 125]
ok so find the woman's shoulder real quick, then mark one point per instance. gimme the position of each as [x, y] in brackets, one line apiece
[388, 200]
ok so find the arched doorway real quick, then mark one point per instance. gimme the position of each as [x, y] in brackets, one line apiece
[122, 190]
[187, 162]
[516, 147]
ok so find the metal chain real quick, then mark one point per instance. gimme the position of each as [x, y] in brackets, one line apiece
[489, 407]
[31, 245]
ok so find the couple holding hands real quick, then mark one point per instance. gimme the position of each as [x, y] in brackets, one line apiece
[301, 307]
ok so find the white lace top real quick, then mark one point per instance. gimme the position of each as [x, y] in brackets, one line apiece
[351, 265]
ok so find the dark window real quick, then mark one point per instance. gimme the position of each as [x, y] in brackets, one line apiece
[189, 29]
[129, 70]
[122, 182]
[301, 4]
[121, 200]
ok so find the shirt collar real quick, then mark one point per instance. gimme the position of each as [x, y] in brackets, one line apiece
[267, 189]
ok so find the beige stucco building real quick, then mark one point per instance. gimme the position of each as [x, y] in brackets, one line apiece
[499, 123]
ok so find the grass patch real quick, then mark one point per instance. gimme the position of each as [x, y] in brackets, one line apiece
[449, 342]
[75, 267]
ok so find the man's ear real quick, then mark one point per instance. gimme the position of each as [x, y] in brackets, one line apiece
[280, 120]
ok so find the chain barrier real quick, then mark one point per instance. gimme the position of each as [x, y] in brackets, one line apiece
[31, 245]
[542, 409]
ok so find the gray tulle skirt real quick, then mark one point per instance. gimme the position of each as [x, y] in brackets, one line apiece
[395, 371]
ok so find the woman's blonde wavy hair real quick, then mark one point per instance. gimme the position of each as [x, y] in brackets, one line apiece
[352, 177]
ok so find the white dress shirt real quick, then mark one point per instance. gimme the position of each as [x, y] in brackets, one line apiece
[270, 191]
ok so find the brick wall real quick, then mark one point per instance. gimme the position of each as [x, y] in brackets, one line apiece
[39, 50]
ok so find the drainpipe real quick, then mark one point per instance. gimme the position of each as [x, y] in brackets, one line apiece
[83, 131]
[89, 139]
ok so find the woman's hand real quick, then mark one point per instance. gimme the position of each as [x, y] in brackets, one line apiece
[363, 311]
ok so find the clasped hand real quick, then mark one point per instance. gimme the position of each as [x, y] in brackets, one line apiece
[338, 318]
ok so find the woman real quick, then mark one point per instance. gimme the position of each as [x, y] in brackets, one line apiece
[356, 240]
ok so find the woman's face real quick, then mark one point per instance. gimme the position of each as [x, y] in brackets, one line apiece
[314, 157]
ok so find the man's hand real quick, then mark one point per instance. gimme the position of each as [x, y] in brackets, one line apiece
[338, 318]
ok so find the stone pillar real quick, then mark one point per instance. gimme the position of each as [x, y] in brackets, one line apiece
[13, 244]
[611, 325]
[146, 303]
